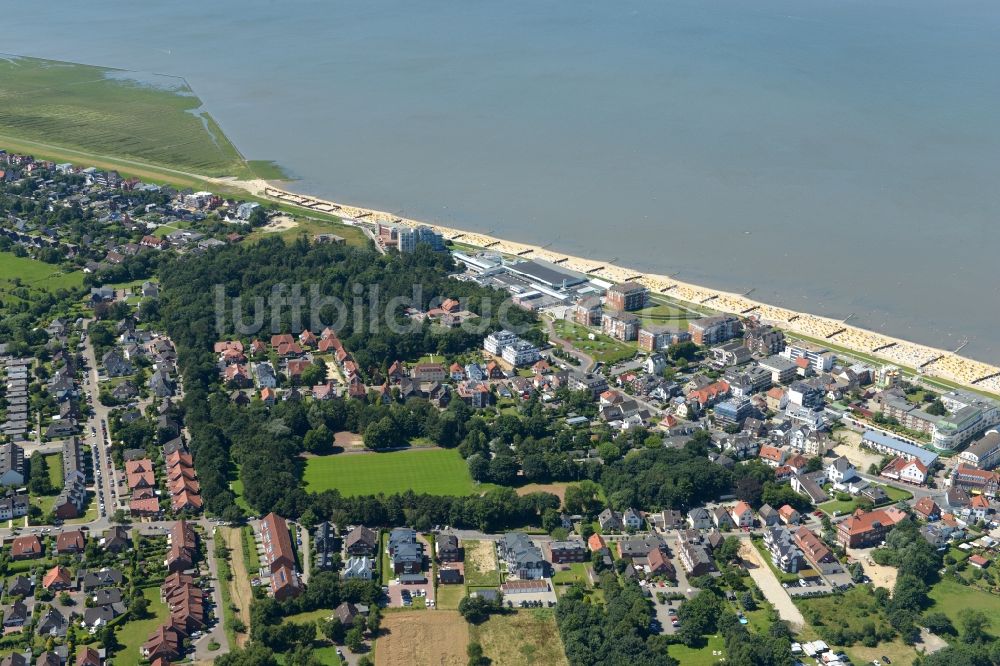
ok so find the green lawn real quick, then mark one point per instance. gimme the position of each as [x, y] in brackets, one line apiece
[712, 653]
[34, 273]
[236, 485]
[897, 494]
[309, 616]
[150, 118]
[665, 314]
[55, 467]
[133, 634]
[846, 507]
[602, 348]
[577, 574]
[327, 655]
[837, 507]
[951, 597]
[448, 596]
[433, 471]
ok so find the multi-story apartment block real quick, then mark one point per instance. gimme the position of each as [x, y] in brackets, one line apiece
[620, 325]
[713, 330]
[627, 296]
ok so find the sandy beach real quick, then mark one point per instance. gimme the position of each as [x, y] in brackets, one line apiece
[931, 362]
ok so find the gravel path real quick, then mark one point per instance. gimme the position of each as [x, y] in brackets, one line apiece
[770, 586]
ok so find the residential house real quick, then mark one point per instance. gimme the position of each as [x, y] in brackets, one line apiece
[448, 549]
[699, 518]
[361, 541]
[523, 558]
[806, 485]
[166, 643]
[788, 515]
[183, 547]
[909, 471]
[57, 578]
[772, 456]
[742, 515]
[841, 471]
[721, 518]
[815, 551]
[52, 623]
[632, 520]
[568, 550]
[927, 509]
[781, 545]
[610, 521]
[406, 551]
[768, 516]
[11, 465]
[70, 542]
[27, 547]
[16, 616]
[324, 546]
[694, 554]
[359, 567]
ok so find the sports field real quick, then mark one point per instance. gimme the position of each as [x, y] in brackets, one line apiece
[432, 471]
[150, 118]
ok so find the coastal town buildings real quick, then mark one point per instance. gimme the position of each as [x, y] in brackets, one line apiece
[627, 296]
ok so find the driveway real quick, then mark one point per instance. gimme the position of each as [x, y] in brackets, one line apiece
[770, 586]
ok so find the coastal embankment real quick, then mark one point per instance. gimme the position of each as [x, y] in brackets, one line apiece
[920, 359]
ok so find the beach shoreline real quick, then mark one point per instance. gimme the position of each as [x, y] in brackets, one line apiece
[929, 362]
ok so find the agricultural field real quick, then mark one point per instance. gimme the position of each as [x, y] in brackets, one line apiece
[150, 118]
[432, 471]
[422, 637]
[602, 348]
[522, 637]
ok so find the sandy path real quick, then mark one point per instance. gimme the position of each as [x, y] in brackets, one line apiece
[239, 587]
[770, 586]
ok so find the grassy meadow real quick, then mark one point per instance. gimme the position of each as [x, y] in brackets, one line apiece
[432, 471]
[154, 119]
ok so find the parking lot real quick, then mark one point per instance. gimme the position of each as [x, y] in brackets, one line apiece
[545, 598]
[396, 590]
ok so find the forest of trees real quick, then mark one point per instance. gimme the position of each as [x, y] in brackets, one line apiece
[616, 632]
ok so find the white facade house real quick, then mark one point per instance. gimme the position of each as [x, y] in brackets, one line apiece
[511, 348]
[632, 520]
[820, 360]
[841, 471]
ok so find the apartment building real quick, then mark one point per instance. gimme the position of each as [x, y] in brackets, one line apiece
[713, 330]
[620, 325]
[627, 296]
